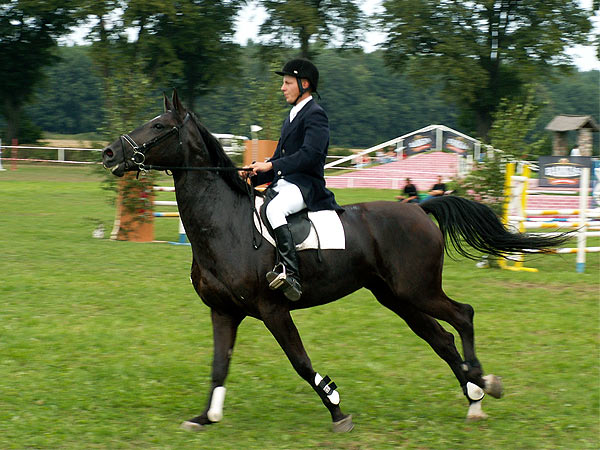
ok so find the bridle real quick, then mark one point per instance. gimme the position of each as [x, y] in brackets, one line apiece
[138, 158]
[139, 152]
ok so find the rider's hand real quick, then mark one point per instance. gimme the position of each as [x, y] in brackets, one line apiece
[260, 167]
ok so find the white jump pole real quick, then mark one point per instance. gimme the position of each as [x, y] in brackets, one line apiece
[182, 235]
[584, 183]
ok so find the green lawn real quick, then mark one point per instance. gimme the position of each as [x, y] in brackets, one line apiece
[105, 345]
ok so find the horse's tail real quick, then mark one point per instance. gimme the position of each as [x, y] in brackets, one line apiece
[464, 221]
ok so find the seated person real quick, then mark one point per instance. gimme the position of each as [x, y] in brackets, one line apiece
[438, 189]
[410, 193]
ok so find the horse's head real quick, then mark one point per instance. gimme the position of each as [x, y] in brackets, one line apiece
[157, 142]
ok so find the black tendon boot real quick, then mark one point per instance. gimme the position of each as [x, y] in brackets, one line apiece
[286, 274]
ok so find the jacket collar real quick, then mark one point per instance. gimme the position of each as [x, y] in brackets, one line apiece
[298, 107]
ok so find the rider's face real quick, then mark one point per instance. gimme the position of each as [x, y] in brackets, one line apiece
[290, 89]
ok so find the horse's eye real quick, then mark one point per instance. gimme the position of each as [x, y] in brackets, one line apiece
[158, 126]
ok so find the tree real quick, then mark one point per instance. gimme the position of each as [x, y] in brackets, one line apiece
[514, 123]
[482, 51]
[186, 44]
[292, 22]
[69, 100]
[269, 109]
[366, 103]
[28, 33]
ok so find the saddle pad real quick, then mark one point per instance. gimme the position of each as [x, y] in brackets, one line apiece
[327, 224]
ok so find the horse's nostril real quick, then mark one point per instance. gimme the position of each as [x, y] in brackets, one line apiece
[108, 152]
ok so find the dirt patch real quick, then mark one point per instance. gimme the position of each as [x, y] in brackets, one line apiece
[73, 143]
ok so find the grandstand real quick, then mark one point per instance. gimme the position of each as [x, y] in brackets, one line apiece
[423, 170]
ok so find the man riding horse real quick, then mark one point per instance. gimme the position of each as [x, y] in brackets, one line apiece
[296, 170]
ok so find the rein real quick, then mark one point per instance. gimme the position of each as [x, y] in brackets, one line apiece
[209, 169]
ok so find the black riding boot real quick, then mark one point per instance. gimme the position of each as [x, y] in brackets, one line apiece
[286, 274]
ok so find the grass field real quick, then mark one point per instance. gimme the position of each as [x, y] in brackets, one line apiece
[104, 345]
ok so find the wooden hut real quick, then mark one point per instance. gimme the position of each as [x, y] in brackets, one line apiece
[561, 125]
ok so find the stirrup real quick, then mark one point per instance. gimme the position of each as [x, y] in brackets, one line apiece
[275, 277]
[290, 286]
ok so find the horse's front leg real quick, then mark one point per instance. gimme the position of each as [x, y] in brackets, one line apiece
[278, 320]
[224, 332]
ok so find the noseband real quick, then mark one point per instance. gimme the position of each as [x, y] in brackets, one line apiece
[139, 152]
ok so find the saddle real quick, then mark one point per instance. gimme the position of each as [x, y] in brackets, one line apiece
[299, 223]
[317, 230]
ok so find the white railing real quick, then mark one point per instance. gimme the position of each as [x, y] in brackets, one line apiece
[60, 158]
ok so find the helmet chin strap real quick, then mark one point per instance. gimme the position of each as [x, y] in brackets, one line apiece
[301, 90]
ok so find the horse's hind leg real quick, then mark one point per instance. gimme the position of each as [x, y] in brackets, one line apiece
[429, 298]
[442, 342]
[224, 334]
[460, 316]
[278, 320]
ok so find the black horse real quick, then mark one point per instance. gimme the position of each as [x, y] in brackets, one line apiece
[394, 250]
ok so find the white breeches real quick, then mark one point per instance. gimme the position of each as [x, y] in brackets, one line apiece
[288, 201]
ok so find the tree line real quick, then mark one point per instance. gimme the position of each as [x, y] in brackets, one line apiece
[447, 62]
[366, 102]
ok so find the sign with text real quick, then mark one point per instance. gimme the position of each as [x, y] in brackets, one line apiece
[562, 171]
[457, 144]
[595, 181]
[419, 143]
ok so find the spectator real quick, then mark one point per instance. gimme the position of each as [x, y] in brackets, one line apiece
[437, 190]
[410, 193]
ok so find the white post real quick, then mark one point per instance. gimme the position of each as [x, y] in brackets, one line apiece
[61, 154]
[254, 129]
[1, 169]
[439, 139]
[584, 184]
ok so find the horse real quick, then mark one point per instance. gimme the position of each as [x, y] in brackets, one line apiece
[394, 250]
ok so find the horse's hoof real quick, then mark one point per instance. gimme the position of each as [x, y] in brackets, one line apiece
[477, 417]
[493, 385]
[343, 426]
[192, 426]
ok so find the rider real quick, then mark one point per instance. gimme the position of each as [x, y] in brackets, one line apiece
[296, 170]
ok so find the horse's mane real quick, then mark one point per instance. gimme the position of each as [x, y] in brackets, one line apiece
[219, 158]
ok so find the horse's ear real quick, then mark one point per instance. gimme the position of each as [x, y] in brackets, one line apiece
[177, 105]
[168, 105]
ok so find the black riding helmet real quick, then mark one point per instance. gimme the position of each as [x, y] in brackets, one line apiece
[302, 68]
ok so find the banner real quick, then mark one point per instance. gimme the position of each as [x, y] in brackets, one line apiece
[595, 182]
[562, 171]
[419, 143]
[457, 144]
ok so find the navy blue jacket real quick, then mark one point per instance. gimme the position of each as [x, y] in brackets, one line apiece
[300, 156]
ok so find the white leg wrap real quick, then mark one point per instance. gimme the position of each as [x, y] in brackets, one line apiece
[475, 412]
[332, 394]
[215, 412]
[474, 392]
